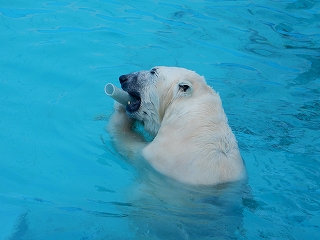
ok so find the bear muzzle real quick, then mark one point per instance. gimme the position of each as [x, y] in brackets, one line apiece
[128, 83]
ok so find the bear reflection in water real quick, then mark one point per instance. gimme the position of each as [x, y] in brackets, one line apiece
[162, 208]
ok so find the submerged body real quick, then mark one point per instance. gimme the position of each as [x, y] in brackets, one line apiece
[193, 142]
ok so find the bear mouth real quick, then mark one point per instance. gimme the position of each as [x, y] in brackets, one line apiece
[134, 105]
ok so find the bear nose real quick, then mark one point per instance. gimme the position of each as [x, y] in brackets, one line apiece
[123, 78]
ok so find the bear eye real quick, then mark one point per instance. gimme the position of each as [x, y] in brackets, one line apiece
[153, 71]
[184, 88]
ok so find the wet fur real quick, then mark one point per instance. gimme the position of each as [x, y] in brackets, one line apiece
[193, 142]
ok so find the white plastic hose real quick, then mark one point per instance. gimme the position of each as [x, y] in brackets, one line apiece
[118, 94]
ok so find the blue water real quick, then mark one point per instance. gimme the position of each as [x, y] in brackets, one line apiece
[60, 177]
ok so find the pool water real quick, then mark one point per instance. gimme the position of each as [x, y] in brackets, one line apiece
[60, 177]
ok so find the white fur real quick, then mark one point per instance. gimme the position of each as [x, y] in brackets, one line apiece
[193, 142]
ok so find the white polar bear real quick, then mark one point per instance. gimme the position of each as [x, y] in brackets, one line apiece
[193, 142]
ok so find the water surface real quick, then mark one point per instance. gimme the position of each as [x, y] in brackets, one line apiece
[60, 176]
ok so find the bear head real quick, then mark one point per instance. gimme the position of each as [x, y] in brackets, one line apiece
[155, 90]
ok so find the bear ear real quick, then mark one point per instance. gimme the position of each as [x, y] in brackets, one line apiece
[185, 88]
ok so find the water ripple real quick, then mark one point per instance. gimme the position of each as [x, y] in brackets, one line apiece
[246, 56]
[20, 13]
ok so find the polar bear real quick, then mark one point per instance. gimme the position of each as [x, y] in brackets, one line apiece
[192, 142]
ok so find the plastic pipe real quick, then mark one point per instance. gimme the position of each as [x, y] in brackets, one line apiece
[118, 94]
